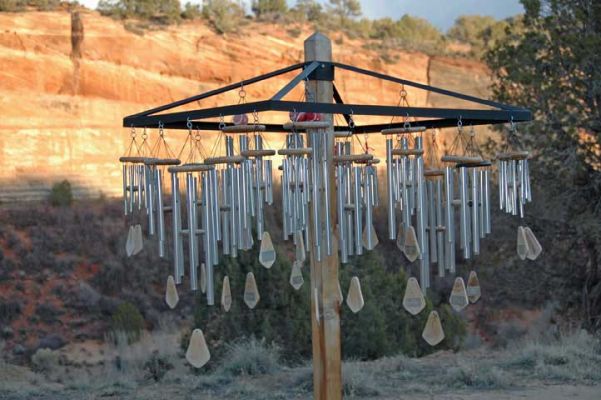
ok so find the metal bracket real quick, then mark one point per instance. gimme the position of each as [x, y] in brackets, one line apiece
[324, 72]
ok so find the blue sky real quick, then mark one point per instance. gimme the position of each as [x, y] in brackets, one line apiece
[441, 13]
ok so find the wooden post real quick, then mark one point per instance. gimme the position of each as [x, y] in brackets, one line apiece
[327, 370]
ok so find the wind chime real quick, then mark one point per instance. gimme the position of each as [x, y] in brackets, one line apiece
[134, 194]
[357, 195]
[515, 192]
[406, 192]
[155, 169]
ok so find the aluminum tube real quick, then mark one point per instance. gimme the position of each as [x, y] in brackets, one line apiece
[225, 215]
[358, 212]
[341, 219]
[432, 221]
[481, 205]
[406, 205]
[233, 213]
[191, 232]
[283, 185]
[500, 166]
[208, 237]
[368, 209]
[464, 243]
[140, 175]
[151, 201]
[514, 183]
[175, 223]
[214, 214]
[527, 181]
[422, 217]
[439, 221]
[131, 188]
[160, 213]
[390, 191]
[124, 173]
[475, 212]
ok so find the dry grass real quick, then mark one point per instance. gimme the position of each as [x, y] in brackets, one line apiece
[252, 370]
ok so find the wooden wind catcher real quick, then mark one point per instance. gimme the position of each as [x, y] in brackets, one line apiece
[438, 205]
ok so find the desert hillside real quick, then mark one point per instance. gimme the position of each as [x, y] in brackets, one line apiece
[62, 109]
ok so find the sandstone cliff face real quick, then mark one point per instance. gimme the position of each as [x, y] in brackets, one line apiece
[62, 114]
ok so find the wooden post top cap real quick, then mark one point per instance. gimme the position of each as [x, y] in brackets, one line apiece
[197, 167]
[306, 125]
[403, 130]
[224, 160]
[132, 159]
[461, 159]
[352, 158]
[301, 151]
[162, 161]
[513, 155]
[483, 163]
[433, 173]
[243, 128]
[407, 152]
[257, 153]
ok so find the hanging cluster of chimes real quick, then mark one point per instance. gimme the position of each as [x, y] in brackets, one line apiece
[515, 192]
[357, 195]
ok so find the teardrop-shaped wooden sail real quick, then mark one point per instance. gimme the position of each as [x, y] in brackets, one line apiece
[267, 252]
[534, 247]
[411, 248]
[433, 333]
[400, 238]
[171, 296]
[226, 294]
[374, 237]
[129, 243]
[354, 298]
[522, 243]
[299, 242]
[251, 292]
[198, 352]
[203, 278]
[473, 287]
[458, 298]
[296, 275]
[413, 301]
[138, 239]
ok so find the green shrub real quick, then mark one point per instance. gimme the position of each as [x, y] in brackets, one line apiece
[156, 367]
[21, 5]
[250, 357]
[160, 11]
[127, 319]
[61, 194]
[223, 15]
[45, 360]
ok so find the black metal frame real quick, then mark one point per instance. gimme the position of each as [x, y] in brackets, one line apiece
[317, 70]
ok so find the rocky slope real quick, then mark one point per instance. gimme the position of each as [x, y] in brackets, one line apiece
[62, 108]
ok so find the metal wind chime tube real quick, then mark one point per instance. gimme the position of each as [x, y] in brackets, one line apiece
[438, 222]
[422, 215]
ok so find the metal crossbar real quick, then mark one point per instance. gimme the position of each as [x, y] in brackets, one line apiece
[434, 117]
